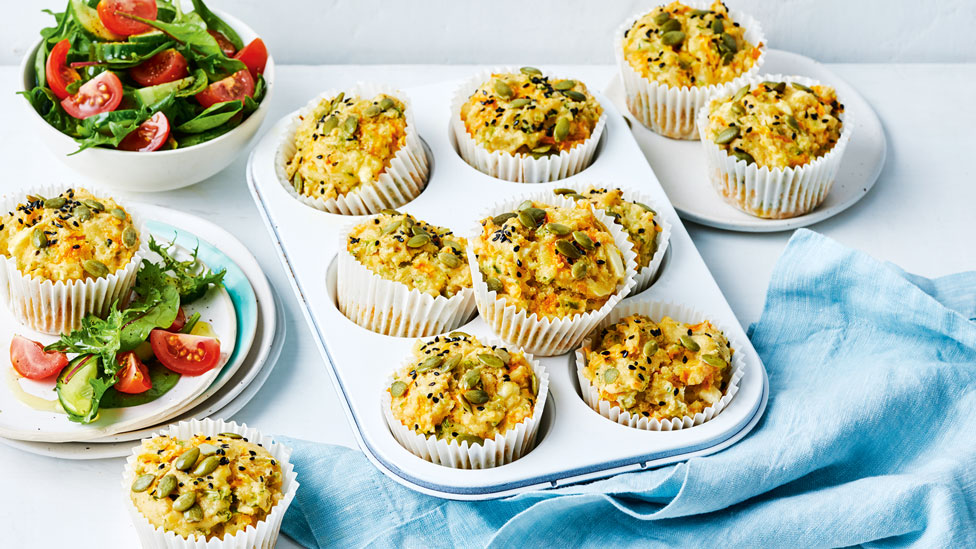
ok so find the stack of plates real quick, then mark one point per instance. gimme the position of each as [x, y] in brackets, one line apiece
[243, 314]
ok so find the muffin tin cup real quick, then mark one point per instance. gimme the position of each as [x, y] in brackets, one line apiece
[645, 275]
[262, 536]
[392, 308]
[403, 180]
[671, 111]
[55, 307]
[504, 448]
[773, 193]
[538, 335]
[518, 168]
[656, 310]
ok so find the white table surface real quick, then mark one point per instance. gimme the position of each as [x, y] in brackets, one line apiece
[919, 215]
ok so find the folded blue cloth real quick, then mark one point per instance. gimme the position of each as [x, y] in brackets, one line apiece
[869, 438]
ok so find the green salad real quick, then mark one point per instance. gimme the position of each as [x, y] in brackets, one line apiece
[143, 75]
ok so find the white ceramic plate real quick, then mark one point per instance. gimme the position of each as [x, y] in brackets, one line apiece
[237, 390]
[680, 165]
[227, 402]
[31, 410]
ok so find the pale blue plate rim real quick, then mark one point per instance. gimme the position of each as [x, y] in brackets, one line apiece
[235, 282]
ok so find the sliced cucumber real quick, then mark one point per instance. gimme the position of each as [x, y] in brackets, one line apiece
[88, 18]
[153, 37]
[74, 386]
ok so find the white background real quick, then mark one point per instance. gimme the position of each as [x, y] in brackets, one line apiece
[919, 215]
[553, 31]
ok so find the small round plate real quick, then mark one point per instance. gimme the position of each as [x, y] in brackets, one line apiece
[680, 165]
[227, 402]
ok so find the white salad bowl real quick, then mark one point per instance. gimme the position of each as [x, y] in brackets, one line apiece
[158, 170]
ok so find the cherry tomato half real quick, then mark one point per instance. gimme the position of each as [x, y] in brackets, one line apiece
[149, 136]
[180, 321]
[31, 361]
[185, 354]
[100, 94]
[236, 86]
[57, 71]
[255, 56]
[226, 45]
[134, 376]
[165, 66]
[110, 12]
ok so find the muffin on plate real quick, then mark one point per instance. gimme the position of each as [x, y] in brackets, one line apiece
[524, 126]
[773, 146]
[66, 253]
[462, 403]
[547, 266]
[656, 371]
[208, 482]
[404, 277]
[354, 152]
[645, 229]
[675, 57]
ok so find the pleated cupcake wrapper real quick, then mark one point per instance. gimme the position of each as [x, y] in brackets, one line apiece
[545, 336]
[402, 181]
[521, 168]
[504, 448]
[262, 536]
[645, 275]
[393, 308]
[58, 307]
[668, 110]
[657, 310]
[774, 193]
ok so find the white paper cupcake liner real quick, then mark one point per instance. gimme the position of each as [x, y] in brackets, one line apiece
[671, 111]
[775, 193]
[504, 448]
[58, 307]
[402, 181]
[645, 275]
[393, 308]
[657, 310]
[263, 536]
[518, 168]
[544, 336]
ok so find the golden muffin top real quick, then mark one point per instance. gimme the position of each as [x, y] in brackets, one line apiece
[679, 46]
[346, 143]
[526, 113]
[661, 369]
[458, 389]
[775, 124]
[398, 247]
[71, 236]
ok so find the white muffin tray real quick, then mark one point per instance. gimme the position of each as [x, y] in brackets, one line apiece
[574, 443]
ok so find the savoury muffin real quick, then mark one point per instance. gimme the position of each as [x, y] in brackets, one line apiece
[66, 253]
[524, 126]
[775, 124]
[690, 54]
[793, 127]
[646, 373]
[208, 482]
[644, 227]
[404, 277]
[209, 486]
[547, 265]
[354, 152]
[71, 236]
[471, 399]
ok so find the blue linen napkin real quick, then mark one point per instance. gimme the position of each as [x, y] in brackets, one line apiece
[869, 438]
